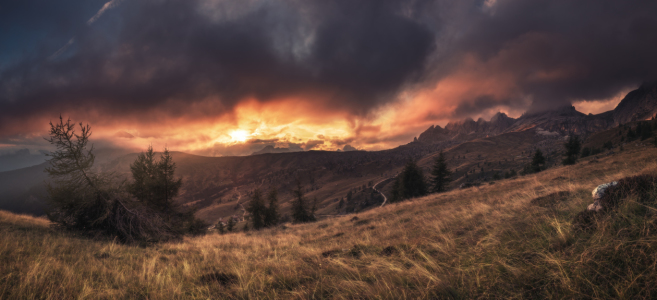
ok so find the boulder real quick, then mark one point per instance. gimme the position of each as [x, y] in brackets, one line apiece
[597, 194]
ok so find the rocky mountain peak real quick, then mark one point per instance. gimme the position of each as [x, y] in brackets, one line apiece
[639, 104]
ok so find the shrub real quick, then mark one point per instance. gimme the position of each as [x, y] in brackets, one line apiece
[643, 187]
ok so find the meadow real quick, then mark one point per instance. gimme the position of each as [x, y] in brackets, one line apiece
[511, 239]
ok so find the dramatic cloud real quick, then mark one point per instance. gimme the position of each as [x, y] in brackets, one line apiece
[370, 73]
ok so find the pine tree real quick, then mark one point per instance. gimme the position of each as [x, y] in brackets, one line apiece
[271, 215]
[413, 181]
[78, 197]
[397, 190]
[586, 151]
[170, 186]
[154, 183]
[538, 161]
[300, 212]
[257, 209]
[231, 224]
[410, 183]
[646, 130]
[442, 176]
[220, 226]
[144, 170]
[631, 135]
[573, 146]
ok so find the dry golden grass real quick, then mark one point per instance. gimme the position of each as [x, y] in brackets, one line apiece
[486, 242]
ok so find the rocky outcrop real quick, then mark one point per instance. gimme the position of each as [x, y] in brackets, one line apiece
[597, 194]
[434, 134]
[467, 129]
[564, 120]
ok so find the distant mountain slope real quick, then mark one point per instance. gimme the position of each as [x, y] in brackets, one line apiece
[20, 159]
[272, 149]
[640, 104]
[24, 190]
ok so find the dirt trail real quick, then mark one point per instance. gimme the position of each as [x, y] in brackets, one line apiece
[385, 199]
[239, 197]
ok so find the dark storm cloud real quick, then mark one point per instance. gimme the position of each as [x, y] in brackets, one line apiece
[477, 105]
[353, 55]
[564, 50]
[175, 56]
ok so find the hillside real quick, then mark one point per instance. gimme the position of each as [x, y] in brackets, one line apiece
[492, 241]
[218, 185]
[477, 152]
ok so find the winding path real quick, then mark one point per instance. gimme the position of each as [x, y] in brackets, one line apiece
[239, 196]
[385, 199]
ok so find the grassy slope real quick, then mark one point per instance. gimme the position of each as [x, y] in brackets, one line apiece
[487, 242]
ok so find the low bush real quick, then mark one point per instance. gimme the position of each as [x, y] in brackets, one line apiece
[642, 187]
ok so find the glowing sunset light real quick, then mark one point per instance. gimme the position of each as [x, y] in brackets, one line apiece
[239, 135]
[312, 75]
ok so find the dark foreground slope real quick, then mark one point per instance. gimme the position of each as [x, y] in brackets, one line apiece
[512, 239]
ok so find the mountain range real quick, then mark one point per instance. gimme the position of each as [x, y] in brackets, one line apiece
[638, 105]
[477, 151]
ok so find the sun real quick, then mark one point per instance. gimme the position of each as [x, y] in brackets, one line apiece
[239, 135]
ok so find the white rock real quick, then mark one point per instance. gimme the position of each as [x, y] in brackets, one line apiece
[599, 191]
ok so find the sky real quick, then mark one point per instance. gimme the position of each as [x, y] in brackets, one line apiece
[229, 77]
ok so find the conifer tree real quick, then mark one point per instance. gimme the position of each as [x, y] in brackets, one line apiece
[410, 183]
[78, 196]
[271, 215]
[538, 161]
[231, 224]
[300, 212]
[631, 136]
[154, 182]
[573, 146]
[220, 226]
[170, 185]
[397, 190]
[257, 209]
[413, 181]
[442, 176]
